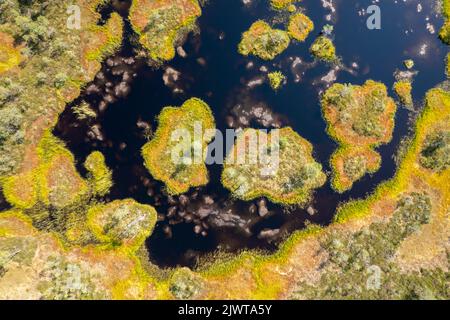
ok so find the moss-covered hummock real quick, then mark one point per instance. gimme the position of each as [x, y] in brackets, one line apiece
[263, 41]
[100, 175]
[123, 222]
[276, 79]
[403, 90]
[300, 26]
[161, 23]
[188, 170]
[359, 118]
[283, 4]
[291, 179]
[323, 49]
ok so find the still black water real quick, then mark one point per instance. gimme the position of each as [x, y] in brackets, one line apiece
[214, 71]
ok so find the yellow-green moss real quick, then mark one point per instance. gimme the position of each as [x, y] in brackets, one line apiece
[444, 34]
[282, 4]
[300, 26]
[100, 175]
[276, 79]
[403, 90]
[263, 41]
[323, 49]
[190, 171]
[122, 222]
[291, 180]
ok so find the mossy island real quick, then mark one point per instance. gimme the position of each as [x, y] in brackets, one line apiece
[190, 172]
[444, 34]
[276, 79]
[403, 89]
[359, 118]
[161, 24]
[323, 49]
[263, 41]
[300, 26]
[291, 181]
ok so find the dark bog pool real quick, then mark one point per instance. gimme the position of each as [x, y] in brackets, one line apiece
[127, 95]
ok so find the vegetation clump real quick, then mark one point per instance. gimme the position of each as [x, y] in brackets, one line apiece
[444, 34]
[99, 174]
[359, 118]
[193, 123]
[360, 265]
[282, 4]
[10, 56]
[300, 26]
[291, 179]
[263, 41]
[276, 79]
[403, 90]
[323, 49]
[54, 63]
[435, 153]
[123, 222]
[161, 24]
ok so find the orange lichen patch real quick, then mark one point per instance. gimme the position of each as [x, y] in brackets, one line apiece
[358, 117]
[10, 56]
[161, 23]
[123, 222]
[351, 164]
[176, 154]
[300, 26]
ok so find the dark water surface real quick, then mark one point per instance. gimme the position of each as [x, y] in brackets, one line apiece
[215, 72]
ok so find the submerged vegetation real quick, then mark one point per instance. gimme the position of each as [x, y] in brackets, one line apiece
[192, 124]
[359, 118]
[263, 41]
[291, 179]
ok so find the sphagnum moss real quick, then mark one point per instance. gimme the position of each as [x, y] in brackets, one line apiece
[189, 171]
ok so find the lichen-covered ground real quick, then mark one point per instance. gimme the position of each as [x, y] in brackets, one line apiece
[61, 239]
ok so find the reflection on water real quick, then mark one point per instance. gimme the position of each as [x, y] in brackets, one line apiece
[127, 95]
